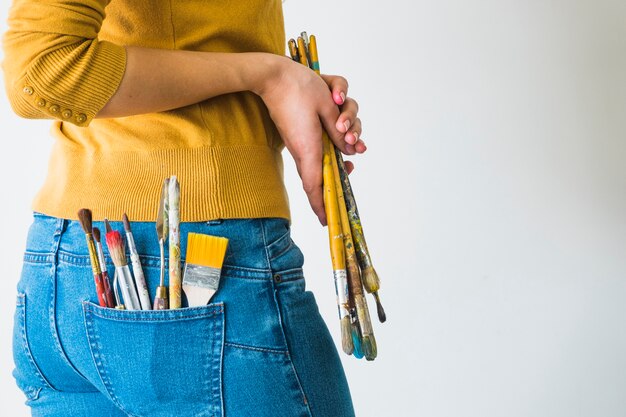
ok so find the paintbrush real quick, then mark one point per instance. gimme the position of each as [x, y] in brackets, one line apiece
[115, 243]
[103, 266]
[174, 242]
[334, 227]
[119, 305]
[140, 280]
[370, 279]
[84, 216]
[160, 298]
[367, 339]
[203, 265]
[337, 250]
[293, 50]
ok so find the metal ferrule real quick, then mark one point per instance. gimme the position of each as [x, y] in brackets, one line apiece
[341, 288]
[100, 252]
[93, 255]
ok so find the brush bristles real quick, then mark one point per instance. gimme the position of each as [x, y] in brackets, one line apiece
[370, 279]
[369, 347]
[206, 250]
[126, 222]
[382, 316]
[356, 341]
[107, 226]
[346, 335]
[84, 216]
[115, 243]
[96, 234]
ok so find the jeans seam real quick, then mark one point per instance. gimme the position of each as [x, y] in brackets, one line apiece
[293, 367]
[25, 346]
[98, 364]
[282, 326]
[61, 225]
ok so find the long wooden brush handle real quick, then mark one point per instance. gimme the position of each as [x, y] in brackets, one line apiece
[335, 234]
[174, 244]
[352, 266]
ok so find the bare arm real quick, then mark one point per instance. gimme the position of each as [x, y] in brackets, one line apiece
[160, 79]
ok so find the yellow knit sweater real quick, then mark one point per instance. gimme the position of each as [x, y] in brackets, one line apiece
[64, 60]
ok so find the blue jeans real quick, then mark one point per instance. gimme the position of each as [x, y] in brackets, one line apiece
[259, 349]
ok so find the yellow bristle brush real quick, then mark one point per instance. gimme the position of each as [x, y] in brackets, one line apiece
[203, 267]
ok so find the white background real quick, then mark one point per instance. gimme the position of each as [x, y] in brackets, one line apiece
[493, 197]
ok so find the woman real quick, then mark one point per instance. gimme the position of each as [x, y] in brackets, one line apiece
[203, 91]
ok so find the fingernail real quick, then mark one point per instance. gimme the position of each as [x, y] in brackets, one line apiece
[356, 136]
[343, 96]
[347, 124]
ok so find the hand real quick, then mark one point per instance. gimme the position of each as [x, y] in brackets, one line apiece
[300, 103]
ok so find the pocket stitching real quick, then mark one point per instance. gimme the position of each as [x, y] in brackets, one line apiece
[91, 309]
[106, 313]
[258, 349]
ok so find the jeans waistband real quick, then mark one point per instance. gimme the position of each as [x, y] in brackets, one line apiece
[253, 242]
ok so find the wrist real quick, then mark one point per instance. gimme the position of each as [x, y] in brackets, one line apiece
[267, 71]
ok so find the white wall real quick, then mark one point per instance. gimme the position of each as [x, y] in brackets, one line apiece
[493, 196]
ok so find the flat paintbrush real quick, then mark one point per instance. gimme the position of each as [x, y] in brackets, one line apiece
[203, 266]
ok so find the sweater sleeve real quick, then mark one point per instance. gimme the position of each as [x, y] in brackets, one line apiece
[55, 67]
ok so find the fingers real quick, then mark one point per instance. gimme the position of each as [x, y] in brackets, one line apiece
[338, 86]
[349, 166]
[309, 166]
[347, 118]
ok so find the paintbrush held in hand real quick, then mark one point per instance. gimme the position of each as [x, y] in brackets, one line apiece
[352, 266]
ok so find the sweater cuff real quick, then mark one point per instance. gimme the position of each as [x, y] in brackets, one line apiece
[75, 82]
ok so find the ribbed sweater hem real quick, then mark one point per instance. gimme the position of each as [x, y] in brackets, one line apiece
[215, 182]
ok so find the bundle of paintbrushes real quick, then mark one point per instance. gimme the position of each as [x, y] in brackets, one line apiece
[205, 255]
[352, 265]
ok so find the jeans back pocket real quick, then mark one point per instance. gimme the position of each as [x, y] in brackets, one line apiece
[159, 362]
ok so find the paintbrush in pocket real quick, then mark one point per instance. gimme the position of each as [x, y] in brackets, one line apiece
[203, 267]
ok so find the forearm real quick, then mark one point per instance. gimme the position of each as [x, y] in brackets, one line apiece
[160, 79]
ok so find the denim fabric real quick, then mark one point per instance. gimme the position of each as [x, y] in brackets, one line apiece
[259, 349]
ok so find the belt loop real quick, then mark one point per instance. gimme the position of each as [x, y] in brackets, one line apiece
[61, 225]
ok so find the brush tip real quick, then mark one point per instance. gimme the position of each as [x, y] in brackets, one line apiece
[84, 217]
[96, 234]
[115, 243]
[356, 341]
[114, 240]
[126, 222]
[346, 336]
[382, 316]
[369, 347]
[107, 226]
